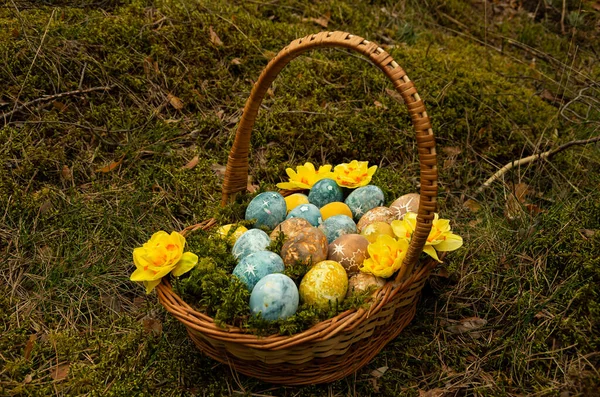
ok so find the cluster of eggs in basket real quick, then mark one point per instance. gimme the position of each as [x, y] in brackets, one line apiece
[319, 230]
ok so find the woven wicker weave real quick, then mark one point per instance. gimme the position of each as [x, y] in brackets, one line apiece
[341, 345]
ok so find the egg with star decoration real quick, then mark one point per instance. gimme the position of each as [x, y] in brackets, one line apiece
[403, 204]
[257, 265]
[275, 297]
[363, 199]
[324, 286]
[268, 209]
[337, 226]
[324, 192]
[252, 241]
[310, 212]
[308, 247]
[350, 251]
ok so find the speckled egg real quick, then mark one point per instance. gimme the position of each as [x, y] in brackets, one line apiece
[324, 192]
[308, 247]
[324, 285]
[290, 228]
[275, 297]
[225, 232]
[362, 281]
[268, 209]
[335, 208]
[377, 214]
[403, 204]
[257, 265]
[364, 199]
[376, 229]
[350, 251]
[294, 200]
[310, 212]
[337, 226]
[252, 241]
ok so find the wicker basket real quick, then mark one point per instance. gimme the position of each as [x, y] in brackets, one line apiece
[340, 345]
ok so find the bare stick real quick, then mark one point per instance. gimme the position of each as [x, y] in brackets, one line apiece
[52, 97]
[534, 157]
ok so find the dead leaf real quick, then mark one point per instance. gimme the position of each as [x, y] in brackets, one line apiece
[533, 209]
[442, 272]
[269, 54]
[587, 233]
[192, 163]
[379, 104]
[596, 6]
[111, 301]
[29, 346]
[322, 21]
[452, 150]
[467, 324]
[46, 206]
[175, 102]
[547, 95]
[66, 173]
[214, 38]
[378, 373]
[15, 32]
[270, 92]
[58, 105]
[28, 378]
[236, 61]
[111, 166]
[472, 205]
[431, 393]
[219, 170]
[449, 163]
[252, 188]
[152, 326]
[395, 95]
[60, 372]
[521, 191]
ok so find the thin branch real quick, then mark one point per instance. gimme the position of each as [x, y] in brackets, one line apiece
[534, 157]
[53, 97]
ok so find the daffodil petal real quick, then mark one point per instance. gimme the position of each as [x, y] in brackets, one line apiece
[141, 275]
[291, 173]
[139, 258]
[150, 285]
[452, 242]
[429, 250]
[161, 272]
[185, 264]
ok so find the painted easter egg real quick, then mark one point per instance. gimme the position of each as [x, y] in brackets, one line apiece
[364, 199]
[324, 285]
[225, 232]
[335, 208]
[252, 241]
[310, 212]
[290, 228]
[350, 251]
[337, 226]
[294, 200]
[377, 214]
[363, 281]
[268, 209]
[275, 297]
[308, 247]
[257, 265]
[403, 204]
[376, 229]
[324, 192]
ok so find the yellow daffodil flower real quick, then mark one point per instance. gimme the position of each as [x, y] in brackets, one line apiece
[440, 237]
[162, 254]
[305, 176]
[354, 174]
[386, 256]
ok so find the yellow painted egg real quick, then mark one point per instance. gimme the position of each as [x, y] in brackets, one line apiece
[290, 228]
[363, 281]
[350, 251]
[376, 229]
[377, 214]
[308, 247]
[403, 204]
[324, 285]
[335, 208]
[294, 200]
[224, 232]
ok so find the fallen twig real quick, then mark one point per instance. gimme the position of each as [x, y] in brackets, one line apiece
[534, 157]
[52, 97]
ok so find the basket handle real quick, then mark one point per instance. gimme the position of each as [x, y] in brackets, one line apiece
[236, 173]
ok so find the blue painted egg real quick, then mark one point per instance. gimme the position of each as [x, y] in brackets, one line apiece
[364, 199]
[268, 209]
[324, 192]
[310, 212]
[337, 226]
[257, 265]
[275, 296]
[253, 240]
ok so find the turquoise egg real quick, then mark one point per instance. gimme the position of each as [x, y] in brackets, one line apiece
[337, 226]
[310, 212]
[275, 297]
[324, 192]
[364, 199]
[268, 209]
[253, 240]
[257, 265]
